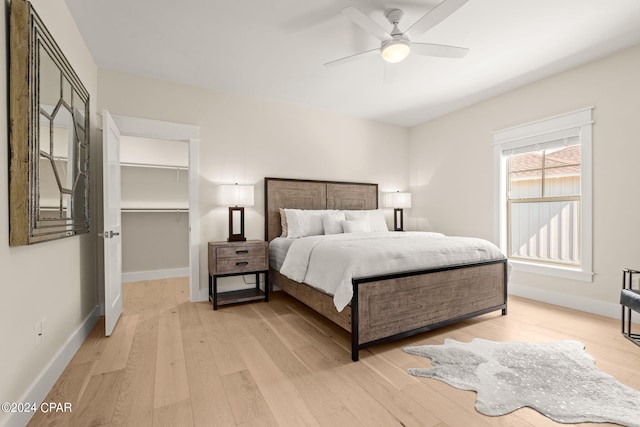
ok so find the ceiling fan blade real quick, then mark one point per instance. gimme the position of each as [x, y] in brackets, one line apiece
[435, 16]
[441, 50]
[353, 57]
[366, 23]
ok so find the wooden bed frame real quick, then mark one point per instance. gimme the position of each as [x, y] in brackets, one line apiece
[391, 306]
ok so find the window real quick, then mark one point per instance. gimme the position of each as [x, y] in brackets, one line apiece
[543, 205]
[543, 179]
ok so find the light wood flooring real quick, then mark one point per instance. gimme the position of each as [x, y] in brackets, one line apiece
[174, 363]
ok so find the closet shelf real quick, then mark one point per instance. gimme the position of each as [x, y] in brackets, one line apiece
[55, 158]
[154, 210]
[153, 165]
[51, 208]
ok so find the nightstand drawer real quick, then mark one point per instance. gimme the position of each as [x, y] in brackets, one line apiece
[240, 264]
[248, 251]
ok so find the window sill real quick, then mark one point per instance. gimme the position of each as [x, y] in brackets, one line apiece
[552, 270]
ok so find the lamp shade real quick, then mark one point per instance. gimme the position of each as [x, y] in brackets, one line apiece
[397, 200]
[236, 195]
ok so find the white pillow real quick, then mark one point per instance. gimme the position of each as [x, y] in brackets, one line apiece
[354, 226]
[304, 222]
[355, 215]
[375, 219]
[331, 222]
[283, 223]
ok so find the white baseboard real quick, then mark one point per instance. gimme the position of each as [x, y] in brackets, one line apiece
[39, 389]
[137, 276]
[569, 301]
[201, 295]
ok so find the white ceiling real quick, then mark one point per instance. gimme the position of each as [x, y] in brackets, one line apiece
[276, 49]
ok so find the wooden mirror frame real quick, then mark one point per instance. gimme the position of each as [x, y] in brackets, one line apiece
[48, 135]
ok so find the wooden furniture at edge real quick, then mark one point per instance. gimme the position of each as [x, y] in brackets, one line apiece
[387, 307]
[237, 259]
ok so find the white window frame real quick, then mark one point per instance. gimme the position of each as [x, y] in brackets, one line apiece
[578, 123]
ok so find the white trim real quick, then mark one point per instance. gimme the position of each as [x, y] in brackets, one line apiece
[499, 197]
[156, 129]
[552, 270]
[45, 381]
[136, 276]
[561, 126]
[200, 296]
[147, 128]
[574, 119]
[540, 142]
[600, 308]
[194, 223]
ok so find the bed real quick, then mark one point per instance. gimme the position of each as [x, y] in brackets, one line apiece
[384, 307]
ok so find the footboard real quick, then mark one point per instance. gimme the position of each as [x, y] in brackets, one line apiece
[389, 307]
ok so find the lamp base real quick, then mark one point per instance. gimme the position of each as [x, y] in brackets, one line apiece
[236, 224]
[398, 220]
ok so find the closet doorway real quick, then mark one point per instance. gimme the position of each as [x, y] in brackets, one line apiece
[159, 200]
[155, 208]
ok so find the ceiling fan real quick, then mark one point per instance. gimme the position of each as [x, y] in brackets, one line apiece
[396, 45]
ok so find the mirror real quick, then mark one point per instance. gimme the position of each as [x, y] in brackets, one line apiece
[48, 136]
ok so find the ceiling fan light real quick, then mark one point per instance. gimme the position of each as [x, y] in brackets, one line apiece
[395, 50]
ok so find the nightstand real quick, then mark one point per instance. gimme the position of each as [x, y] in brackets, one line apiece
[237, 259]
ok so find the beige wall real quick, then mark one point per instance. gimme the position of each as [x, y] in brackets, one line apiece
[154, 242]
[452, 169]
[53, 280]
[245, 139]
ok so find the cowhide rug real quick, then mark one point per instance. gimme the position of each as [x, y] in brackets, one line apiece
[558, 379]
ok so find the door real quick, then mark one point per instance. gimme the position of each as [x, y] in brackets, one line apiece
[112, 225]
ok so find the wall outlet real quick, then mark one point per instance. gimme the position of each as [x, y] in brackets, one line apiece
[37, 329]
[43, 328]
[635, 281]
[40, 332]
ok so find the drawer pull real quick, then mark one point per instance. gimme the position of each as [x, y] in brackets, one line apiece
[242, 263]
[242, 252]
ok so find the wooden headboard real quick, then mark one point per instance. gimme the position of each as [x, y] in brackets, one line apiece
[310, 194]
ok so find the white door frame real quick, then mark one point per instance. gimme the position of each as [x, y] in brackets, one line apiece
[146, 128]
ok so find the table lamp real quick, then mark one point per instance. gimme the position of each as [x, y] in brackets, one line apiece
[398, 201]
[236, 197]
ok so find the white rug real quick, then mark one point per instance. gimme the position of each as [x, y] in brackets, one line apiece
[558, 379]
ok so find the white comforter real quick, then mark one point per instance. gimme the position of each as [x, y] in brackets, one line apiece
[329, 262]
